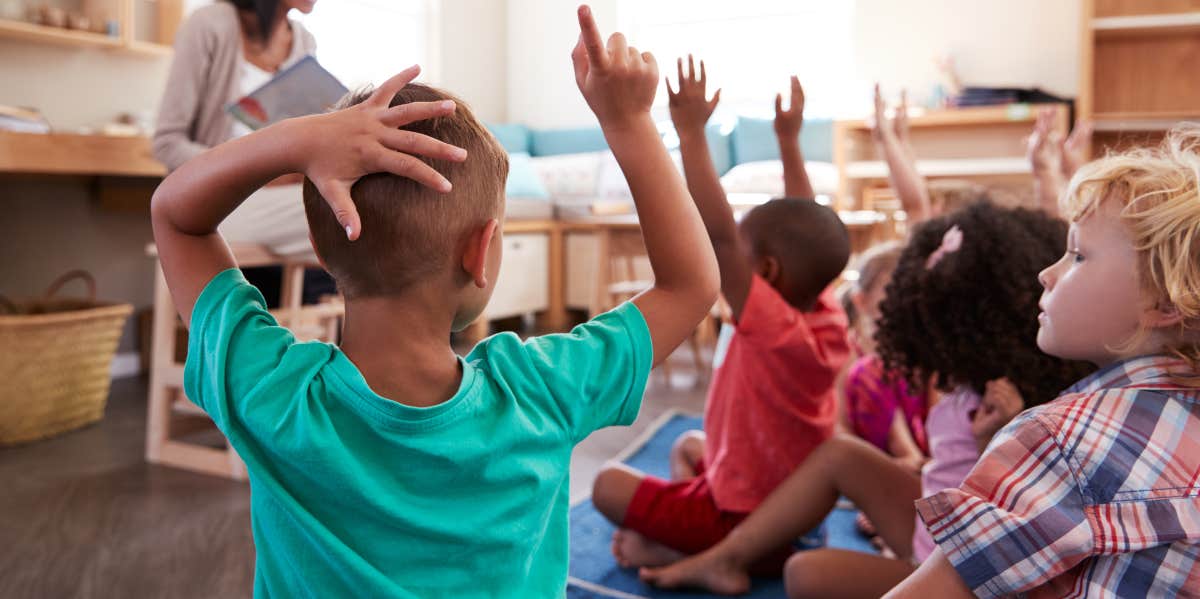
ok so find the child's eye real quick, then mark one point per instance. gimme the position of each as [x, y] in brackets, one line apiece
[1078, 257]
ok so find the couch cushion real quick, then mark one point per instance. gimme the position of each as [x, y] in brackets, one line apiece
[552, 142]
[754, 140]
[523, 181]
[514, 138]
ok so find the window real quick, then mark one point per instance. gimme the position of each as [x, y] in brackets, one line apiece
[752, 47]
[368, 41]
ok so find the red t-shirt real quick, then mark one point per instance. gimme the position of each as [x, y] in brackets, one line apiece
[772, 400]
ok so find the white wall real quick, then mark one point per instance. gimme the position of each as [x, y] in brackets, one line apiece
[473, 55]
[541, 82]
[1019, 43]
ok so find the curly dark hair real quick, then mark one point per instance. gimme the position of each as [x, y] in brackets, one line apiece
[972, 316]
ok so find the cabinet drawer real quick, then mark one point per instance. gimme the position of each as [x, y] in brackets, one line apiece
[523, 285]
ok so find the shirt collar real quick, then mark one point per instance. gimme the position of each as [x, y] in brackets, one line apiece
[1144, 371]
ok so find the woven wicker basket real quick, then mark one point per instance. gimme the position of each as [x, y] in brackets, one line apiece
[55, 360]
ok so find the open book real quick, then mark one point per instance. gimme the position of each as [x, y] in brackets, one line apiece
[301, 89]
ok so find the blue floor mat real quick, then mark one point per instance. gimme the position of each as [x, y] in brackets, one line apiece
[593, 571]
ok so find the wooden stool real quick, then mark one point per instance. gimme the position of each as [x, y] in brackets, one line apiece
[617, 252]
[166, 398]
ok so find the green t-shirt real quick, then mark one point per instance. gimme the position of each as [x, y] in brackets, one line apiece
[355, 495]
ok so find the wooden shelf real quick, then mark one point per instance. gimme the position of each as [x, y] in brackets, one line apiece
[1140, 25]
[963, 167]
[148, 48]
[1166, 115]
[42, 34]
[54, 35]
[1105, 123]
[71, 154]
[965, 117]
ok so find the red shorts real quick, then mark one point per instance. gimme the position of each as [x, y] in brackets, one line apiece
[684, 516]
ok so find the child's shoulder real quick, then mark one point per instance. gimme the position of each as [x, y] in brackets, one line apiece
[1105, 434]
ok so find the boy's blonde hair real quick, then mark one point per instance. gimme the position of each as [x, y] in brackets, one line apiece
[411, 232]
[1159, 191]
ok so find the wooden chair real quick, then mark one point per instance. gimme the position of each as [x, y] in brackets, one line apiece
[618, 251]
[169, 413]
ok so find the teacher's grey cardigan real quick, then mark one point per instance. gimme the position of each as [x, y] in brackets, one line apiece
[203, 81]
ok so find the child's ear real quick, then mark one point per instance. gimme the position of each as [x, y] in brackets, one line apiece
[1163, 314]
[475, 259]
[768, 268]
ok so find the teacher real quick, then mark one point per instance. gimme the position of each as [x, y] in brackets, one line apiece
[224, 51]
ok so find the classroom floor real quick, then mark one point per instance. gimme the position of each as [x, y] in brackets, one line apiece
[83, 515]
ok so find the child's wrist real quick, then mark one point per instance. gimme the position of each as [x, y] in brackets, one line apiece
[293, 142]
[628, 125]
[690, 133]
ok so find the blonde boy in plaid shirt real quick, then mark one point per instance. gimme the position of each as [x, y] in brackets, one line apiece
[1097, 494]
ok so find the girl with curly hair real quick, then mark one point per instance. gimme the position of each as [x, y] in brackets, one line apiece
[958, 312]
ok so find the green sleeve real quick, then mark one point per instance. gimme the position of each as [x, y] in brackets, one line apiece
[233, 344]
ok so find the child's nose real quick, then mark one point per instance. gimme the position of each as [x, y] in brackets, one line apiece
[1046, 277]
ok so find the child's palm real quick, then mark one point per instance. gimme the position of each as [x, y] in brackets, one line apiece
[789, 122]
[1044, 148]
[690, 105]
[618, 82]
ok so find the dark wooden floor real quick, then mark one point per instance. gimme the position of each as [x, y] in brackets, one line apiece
[83, 515]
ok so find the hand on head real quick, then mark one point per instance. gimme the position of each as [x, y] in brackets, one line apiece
[366, 139]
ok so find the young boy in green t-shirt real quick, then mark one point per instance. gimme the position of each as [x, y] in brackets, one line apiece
[389, 466]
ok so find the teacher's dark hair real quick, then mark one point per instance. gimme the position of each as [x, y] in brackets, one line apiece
[264, 12]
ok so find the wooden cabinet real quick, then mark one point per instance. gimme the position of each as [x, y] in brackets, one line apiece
[1138, 77]
[985, 145]
[523, 286]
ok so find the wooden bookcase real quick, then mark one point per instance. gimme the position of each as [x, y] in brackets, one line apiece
[985, 145]
[1138, 75]
[143, 27]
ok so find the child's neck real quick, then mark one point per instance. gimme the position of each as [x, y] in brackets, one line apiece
[402, 346]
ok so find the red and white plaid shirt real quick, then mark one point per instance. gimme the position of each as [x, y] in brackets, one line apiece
[1096, 494]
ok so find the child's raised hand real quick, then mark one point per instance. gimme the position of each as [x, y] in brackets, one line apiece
[346, 145]
[1074, 149]
[789, 122]
[1001, 403]
[618, 82]
[1044, 147]
[900, 123]
[880, 128]
[690, 106]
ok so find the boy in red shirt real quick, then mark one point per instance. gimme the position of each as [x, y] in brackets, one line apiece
[772, 399]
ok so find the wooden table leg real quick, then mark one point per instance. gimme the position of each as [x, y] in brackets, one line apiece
[554, 318]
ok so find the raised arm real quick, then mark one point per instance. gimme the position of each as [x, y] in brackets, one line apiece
[690, 110]
[908, 184]
[334, 150]
[618, 83]
[788, 124]
[1044, 151]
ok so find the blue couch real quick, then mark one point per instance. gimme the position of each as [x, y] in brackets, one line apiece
[748, 140]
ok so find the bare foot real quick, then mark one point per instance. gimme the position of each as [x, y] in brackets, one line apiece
[632, 550]
[704, 570]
